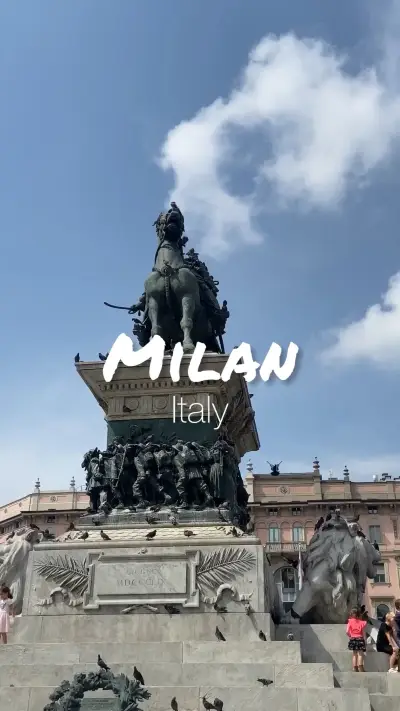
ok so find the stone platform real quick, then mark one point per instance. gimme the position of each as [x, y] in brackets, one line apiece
[77, 590]
[45, 650]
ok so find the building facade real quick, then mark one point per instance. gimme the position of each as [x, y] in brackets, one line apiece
[285, 508]
[52, 510]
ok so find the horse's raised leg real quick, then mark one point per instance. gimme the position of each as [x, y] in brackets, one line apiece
[153, 311]
[186, 324]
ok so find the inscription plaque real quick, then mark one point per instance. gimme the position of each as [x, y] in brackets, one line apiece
[134, 579]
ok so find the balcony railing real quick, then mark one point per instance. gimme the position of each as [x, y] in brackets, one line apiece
[285, 547]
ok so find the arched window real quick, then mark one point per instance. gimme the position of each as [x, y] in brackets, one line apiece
[287, 581]
[298, 534]
[274, 533]
[382, 610]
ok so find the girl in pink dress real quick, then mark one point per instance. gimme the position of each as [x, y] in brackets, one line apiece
[5, 604]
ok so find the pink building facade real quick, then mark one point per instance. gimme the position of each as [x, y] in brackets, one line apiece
[285, 509]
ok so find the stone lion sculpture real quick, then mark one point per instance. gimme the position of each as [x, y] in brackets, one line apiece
[337, 563]
[14, 555]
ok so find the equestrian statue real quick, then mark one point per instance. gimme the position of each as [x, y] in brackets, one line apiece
[179, 302]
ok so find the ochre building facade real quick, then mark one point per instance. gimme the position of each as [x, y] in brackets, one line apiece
[285, 508]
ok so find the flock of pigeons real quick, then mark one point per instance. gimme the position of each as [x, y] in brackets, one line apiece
[217, 704]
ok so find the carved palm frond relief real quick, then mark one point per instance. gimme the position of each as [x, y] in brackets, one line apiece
[223, 565]
[68, 573]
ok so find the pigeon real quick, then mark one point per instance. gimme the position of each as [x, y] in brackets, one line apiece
[126, 409]
[151, 534]
[376, 545]
[262, 636]
[319, 523]
[265, 682]
[207, 704]
[10, 536]
[328, 518]
[174, 704]
[234, 532]
[171, 609]
[71, 526]
[138, 676]
[220, 637]
[290, 637]
[34, 527]
[155, 507]
[104, 536]
[101, 663]
[172, 520]
[188, 534]
[47, 536]
[84, 536]
[218, 704]
[220, 609]
[103, 357]
[77, 358]
[247, 608]
[151, 519]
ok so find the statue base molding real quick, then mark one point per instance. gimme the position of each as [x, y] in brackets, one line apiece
[132, 398]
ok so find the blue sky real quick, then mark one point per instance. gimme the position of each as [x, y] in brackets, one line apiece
[289, 187]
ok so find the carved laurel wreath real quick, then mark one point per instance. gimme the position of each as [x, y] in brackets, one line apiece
[68, 696]
[71, 576]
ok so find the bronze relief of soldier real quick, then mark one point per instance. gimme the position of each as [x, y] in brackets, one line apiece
[142, 473]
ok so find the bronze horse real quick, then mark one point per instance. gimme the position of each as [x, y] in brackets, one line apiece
[173, 303]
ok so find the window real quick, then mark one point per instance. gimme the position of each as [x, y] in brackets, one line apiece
[375, 534]
[395, 531]
[298, 534]
[288, 585]
[382, 610]
[273, 512]
[274, 534]
[51, 519]
[380, 576]
[372, 510]
[296, 511]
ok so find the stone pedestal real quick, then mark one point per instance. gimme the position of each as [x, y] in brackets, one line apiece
[132, 398]
[93, 576]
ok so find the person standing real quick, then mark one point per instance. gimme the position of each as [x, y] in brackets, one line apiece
[356, 631]
[5, 607]
[386, 641]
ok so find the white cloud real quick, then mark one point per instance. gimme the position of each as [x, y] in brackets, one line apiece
[319, 130]
[375, 337]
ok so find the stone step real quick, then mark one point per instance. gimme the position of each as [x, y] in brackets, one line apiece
[382, 702]
[176, 675]
[235, 699]
[341, 661]
[140, 627]
[172, 652]
[375, 682]
[328, 644]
